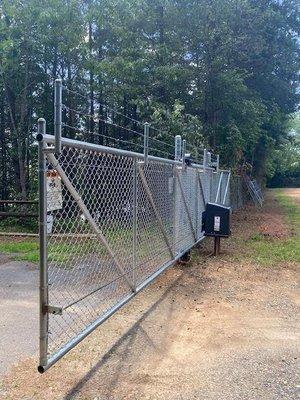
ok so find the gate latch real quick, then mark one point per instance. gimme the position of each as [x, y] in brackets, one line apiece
[53, 310]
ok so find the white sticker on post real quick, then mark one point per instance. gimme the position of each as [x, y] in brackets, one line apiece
[54, 191]
[217, 222]
[49, 223]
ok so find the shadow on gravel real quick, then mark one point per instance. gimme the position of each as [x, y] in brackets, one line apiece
[129, 336]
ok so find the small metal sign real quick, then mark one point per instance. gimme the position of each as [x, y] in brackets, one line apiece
[217, 221]
[54, 191]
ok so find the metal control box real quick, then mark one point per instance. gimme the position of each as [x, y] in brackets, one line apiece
[216, 220]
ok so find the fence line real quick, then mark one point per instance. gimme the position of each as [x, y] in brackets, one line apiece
[115, 220]
[112, 220]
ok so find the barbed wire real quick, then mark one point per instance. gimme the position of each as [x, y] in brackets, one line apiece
[105, 106]
[86, 97]
[90, 133]
[96, 118]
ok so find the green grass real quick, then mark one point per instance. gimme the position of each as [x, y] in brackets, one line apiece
[27, 250]
[24, 249]
[271, 251]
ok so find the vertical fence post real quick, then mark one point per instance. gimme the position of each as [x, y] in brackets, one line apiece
[183, 153]
[196, 184]
[176, 209]
[146, 141]
[204, 158]
[205, 175]
[43, 286]
[177, 147]
[57, 114]
[208, 158]
[218, 163]
[134, 249]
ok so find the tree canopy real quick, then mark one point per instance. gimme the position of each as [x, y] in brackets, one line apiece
[223, 73]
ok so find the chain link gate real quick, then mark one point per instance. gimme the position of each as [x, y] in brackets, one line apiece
[113, 222]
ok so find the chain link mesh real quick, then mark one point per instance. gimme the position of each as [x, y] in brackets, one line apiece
[120, 222]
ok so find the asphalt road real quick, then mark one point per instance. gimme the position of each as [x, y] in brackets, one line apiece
[18, 312]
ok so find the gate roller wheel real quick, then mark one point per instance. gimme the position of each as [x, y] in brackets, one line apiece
[185, 258]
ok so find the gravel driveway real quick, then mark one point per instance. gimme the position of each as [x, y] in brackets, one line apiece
[222, 328]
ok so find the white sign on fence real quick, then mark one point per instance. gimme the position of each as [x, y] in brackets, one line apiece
[54, 191]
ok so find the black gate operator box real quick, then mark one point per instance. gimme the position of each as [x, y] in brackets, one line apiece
[216, 220]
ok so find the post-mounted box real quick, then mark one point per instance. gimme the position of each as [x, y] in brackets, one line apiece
[216, 220]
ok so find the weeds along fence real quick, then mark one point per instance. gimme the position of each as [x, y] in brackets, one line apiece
[111, 220]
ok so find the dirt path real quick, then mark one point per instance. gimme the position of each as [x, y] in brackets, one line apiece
[223, 328]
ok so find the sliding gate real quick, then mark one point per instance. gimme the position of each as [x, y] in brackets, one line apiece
[110, 222]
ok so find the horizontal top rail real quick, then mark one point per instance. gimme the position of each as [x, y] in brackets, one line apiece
[50, 139]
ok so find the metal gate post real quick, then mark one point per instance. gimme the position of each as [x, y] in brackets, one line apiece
[134, 230]
[43, 285]
[205, 176]
[57, 114]
[176, 197]
[146, 141]
[177, 147]
[196, 204]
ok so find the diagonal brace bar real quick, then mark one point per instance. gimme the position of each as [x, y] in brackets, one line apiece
[219, 187]
[226, 188]
[52, 159]
[201, 188]
[185, 205]
[157, 215]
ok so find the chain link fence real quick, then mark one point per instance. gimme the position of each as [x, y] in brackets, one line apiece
[111, 221]
[112, 218]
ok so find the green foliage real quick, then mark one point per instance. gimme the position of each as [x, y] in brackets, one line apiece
[284, 161]
[224, 74]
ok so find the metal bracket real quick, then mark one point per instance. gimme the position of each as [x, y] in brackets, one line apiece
[53, 310]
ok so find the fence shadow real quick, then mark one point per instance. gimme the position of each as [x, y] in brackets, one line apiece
[128, 337]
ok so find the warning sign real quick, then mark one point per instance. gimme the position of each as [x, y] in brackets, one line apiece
[54, 192]
[217, 222]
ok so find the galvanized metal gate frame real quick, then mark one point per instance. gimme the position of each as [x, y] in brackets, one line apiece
[48, 145]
